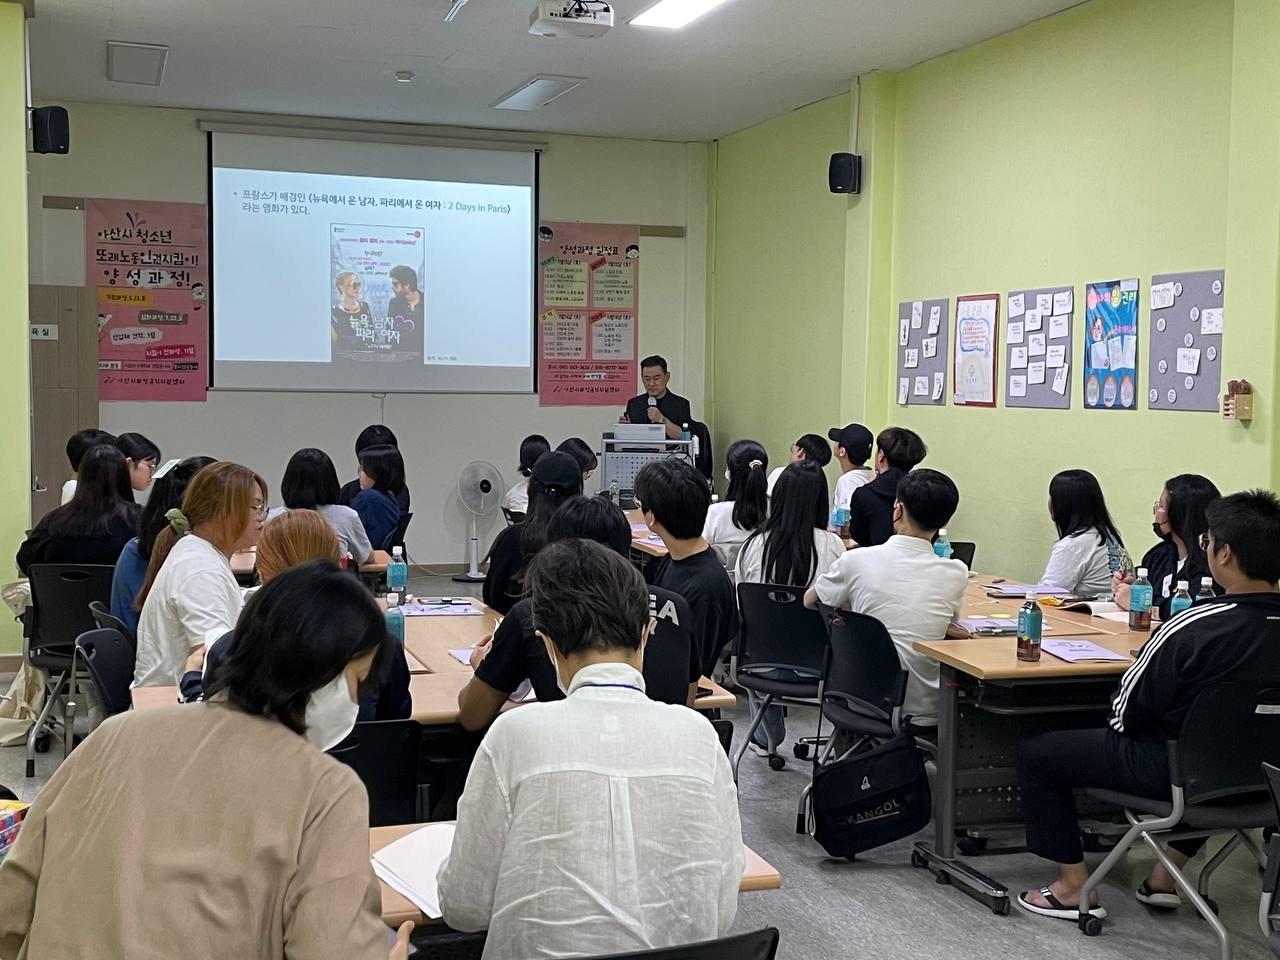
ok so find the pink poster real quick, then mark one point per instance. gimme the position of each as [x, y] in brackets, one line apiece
[588, 313]
[149, 261]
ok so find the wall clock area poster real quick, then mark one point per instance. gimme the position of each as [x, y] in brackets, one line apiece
[588, 313]
[1111, 345]
[975, 374]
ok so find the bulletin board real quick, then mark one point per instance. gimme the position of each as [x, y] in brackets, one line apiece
[1184, 369]
[922, 352]
[1038, 348]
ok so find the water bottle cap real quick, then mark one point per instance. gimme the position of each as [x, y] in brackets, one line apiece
[942, 531]
[1182, 584]
[1142, 573]
[393, 599]
[396, 551]
[1206, 581]
[1031, 595]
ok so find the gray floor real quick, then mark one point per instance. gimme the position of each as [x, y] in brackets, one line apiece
[880, 906]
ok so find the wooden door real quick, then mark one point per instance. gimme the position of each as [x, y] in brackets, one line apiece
[64, 384]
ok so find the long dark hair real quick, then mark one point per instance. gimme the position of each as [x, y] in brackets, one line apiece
[1078, 505]
[310, 480]
[137, 447]
[799, 506]
[748, 483]
[103, 493]
[531, 448]
[166, 493]
[544, 501]
[1189, 496]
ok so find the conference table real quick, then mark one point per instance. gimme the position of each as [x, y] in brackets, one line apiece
[244, 563]
[644, 540]
[988, 701]
[757, 874]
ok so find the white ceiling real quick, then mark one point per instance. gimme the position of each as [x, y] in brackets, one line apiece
[743, 63]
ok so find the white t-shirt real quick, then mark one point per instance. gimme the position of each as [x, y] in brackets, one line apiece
[68, 491]
[353, 541]
[751, 558]
[847, 483]
[773, 478]
[1079, 565]
[194, 601]
[517, 498]
[914, 593]
[719, 531]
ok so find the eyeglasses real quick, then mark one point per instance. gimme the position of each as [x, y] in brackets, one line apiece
[260, 511]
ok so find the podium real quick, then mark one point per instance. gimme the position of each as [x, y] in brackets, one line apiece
[626, 449]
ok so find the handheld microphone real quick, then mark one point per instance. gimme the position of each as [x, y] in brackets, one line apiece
[653, 401]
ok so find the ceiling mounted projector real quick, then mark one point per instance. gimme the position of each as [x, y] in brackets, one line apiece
[586, 19]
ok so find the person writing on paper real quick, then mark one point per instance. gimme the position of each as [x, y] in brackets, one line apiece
[225, 819]
[746, 504]
[809, 447]
[657, 404]
[1180, 519]
[1231, 639]
[605, 822]
[1089, 549]
[905, 585]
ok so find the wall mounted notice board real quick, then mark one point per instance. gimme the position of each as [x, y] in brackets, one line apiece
[922, 352]
[1038, 348]
[1184, 369]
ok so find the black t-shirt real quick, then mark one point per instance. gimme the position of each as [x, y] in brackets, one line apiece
[676, 409]
[408, 322]
[1161, 562]
[102, 547]
[702, 581]
[351, 489]
[871, 509]
[517, 655]
[502, 585]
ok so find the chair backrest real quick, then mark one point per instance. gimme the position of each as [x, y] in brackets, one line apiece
[963, 550]
[778, 631]
[60, 598]
[667, 654]
[451, 946]
[512, 517]
[105, 619]
[1244, 715]
[109, 657]
[702, 462]
[384, 755]
[759, 945]
[1272, 775]
[396, 537]
[864, 672]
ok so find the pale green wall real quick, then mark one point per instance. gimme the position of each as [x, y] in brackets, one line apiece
[778, 275]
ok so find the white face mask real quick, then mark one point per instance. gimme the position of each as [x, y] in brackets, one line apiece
[330, 714]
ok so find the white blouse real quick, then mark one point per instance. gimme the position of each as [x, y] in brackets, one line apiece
[1079, 565]
[751, 558]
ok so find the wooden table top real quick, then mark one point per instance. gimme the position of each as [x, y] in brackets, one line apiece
[638, 541]
[242, 563]
[757, 874]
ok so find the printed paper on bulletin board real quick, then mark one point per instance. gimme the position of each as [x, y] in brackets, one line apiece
[588, 313]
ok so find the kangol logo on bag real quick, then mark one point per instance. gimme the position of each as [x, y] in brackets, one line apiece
[889, 808]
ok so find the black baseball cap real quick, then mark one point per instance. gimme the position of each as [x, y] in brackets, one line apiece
[557, 469]
[856, 440]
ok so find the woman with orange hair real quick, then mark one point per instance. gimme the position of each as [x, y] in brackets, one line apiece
[293, 538]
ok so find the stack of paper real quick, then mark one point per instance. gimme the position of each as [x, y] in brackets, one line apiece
[438, 610]
[1079, 651]
[409, 866]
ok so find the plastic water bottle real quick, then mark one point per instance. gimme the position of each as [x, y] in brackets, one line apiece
[684, 431]
[397, 570]
[395, 617]
[840, 518]
[1181, 599]
[1030, 629]
[1206, 589]
[942, 546]
[1140, 603]
[613, 491]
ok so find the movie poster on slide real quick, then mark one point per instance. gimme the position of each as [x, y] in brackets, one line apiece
[588, 313]
[377, 313]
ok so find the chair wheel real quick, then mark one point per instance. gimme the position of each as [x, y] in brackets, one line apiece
[918, 861]
[1000, 906]
[42, 743]
[801, 750]
[776, 762]
[971, 846]
[942, 877]
[1090, 925]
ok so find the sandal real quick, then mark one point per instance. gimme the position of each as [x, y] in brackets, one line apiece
[1161, 900]
[1056, 909]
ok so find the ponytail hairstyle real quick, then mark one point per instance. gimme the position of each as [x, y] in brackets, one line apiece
[166, 493]
[790, 555]
[748, 483]
[219, 497]
[531, 448]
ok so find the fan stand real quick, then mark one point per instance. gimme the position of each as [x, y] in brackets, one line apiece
[473, 575]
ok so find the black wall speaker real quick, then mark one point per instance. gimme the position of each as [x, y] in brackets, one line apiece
[844, 175]
[50, 130]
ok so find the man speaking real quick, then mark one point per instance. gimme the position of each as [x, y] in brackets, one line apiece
[657, 404]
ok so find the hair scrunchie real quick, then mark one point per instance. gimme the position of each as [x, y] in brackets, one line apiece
[755, 464]
[178, 520]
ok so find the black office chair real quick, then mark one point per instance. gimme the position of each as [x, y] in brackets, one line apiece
[963, 550]
[667, 654]
[59, 612]
[106, 620]
[108, 657]
[1269, 908]
[1202, 775]
[759, 945]
[512, 517]
[396, 537]
[778, 633]
[384, 755]
[702, 462]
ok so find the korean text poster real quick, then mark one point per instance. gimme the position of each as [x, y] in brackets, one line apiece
[1111, 345]
[976, 336]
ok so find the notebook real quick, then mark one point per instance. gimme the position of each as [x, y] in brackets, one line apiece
[1080, 651]
[1011, 591]
[439, 610]
[410, 864]
[996, 626]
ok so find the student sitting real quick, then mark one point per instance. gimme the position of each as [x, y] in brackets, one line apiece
[142, 457]
[224, 818]
[794, 547]
[375, 435]
[871, 507]
[1082, 560]
[746, 504]
[513, 654]
[94, 527]
[905, 585]
[1179, 521]
[809, 447]
[852, 447]
[299, 537]
[675, 499]
[381, 480]
[1233, 638]
[516, 500]
[190, 597]
[556, 477]
[131, 567]
[77, 445]
[581, 451]
[311, 483]
[605, 822]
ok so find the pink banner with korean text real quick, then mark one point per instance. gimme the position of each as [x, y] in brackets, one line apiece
[588, 313]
